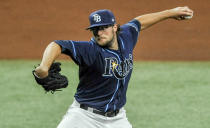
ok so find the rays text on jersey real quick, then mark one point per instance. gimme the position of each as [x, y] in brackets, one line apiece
[119, 69]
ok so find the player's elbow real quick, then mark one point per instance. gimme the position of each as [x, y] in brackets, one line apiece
[142, 21]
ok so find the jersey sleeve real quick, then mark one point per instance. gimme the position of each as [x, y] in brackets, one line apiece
[132, 29]
[82, 52]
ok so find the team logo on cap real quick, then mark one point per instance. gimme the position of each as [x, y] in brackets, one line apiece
[96, 18]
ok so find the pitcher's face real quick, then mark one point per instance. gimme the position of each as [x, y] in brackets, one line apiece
[104, 35]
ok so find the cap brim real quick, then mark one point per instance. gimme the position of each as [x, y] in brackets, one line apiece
[96, 25]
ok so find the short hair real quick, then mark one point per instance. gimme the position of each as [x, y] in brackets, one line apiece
[118, 29]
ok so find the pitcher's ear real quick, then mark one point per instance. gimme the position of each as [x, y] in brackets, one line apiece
[115, 27]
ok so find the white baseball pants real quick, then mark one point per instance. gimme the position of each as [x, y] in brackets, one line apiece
[80, 118]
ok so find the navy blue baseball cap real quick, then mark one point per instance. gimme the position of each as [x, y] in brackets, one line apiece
[101, 18]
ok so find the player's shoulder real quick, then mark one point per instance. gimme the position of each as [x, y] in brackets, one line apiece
[133, 24]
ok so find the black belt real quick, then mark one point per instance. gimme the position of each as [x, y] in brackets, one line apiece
[107, 114]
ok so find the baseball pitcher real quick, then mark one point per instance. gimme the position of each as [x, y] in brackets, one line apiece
[105, 66]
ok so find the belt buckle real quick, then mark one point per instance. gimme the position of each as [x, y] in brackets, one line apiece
[110, 114]
[106, 114]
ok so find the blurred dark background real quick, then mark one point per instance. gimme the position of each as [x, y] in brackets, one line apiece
[27, 26]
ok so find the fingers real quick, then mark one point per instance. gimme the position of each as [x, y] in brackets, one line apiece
[182, 13]
[183, 10]
[187, 11]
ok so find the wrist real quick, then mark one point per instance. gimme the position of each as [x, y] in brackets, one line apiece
[41, 71]
[167, 14]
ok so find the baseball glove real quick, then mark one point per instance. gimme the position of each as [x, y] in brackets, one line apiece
[54, 81]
